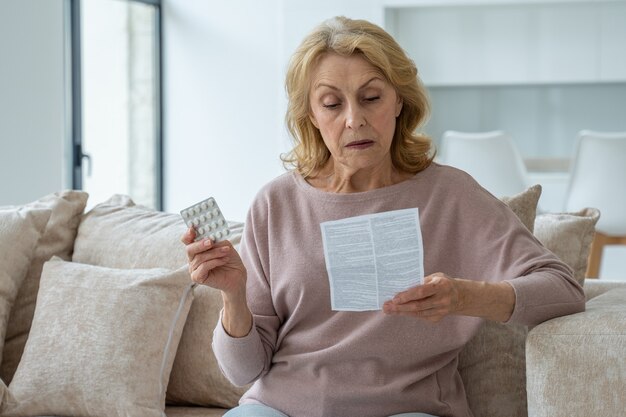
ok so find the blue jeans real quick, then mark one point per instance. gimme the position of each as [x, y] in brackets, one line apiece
[258, 410]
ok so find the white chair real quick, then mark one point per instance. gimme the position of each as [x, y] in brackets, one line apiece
[598, 179]
[490, 157]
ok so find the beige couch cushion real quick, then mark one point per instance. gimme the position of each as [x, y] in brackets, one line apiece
[576, 365]
[194, 412]
[58, 240]
[569, 236]
[120, 234]
[20, 230]
[114, 360]
[524, 205]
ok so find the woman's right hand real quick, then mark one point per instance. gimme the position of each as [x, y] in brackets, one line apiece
[217, 265]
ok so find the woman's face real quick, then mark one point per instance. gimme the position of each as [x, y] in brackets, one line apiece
[355, 109]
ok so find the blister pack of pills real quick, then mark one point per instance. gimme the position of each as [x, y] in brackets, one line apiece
[207, 219]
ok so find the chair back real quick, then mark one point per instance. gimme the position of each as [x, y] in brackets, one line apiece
[490, 157]
[598, 179]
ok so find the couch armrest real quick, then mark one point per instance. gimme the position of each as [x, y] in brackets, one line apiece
[595, 287]
[576, 365]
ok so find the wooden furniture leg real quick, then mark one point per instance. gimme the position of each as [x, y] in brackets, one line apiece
[597, 247]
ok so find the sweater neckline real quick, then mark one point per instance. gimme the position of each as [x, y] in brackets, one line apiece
[377, 193]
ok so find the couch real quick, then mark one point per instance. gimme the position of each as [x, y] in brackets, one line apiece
[99, 318]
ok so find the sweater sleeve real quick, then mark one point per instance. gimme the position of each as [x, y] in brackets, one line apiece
[246, 359]
[548, 292]
[238, 357]
[544, 286]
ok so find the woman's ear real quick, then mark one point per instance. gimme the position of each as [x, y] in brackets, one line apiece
[398, 106]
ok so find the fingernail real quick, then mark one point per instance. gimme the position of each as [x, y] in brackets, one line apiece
[225, 249]
[207, 242]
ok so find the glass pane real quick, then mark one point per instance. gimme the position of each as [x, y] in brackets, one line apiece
[119, 100]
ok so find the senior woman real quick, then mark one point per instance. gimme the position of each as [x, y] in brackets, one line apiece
[355, 101]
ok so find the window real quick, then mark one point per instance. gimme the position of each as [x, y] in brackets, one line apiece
[116, 105]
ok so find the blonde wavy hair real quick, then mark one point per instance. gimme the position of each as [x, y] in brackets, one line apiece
[410, 151]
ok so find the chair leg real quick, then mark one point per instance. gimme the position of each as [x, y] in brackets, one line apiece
[595, 255]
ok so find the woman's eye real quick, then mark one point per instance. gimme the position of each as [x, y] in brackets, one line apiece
[331, 105]
[374, 98]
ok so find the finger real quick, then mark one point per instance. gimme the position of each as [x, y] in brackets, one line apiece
[432, 314]
[413, 306]
[201, 274]
[189, 236]
[415, 293]
[435, 278]
[210, 254]
[197, 247]
[431, 285]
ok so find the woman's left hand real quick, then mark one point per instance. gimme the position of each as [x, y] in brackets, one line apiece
[438, 297]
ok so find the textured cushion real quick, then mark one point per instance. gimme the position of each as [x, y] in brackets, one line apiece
[58, 240]
[102, 341]
[120, 234]
[492, 364]
[20, 230]
[569, 236]
[194, 412]
[524, 205]
[576, 365]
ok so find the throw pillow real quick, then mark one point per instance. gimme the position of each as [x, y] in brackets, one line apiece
[497, 350]
[57, 239]
[524, 205]
[119, 234]
[20, 230]
[569, 236]
[102, 341]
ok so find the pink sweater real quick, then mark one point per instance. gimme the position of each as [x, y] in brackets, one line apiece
[308, 360]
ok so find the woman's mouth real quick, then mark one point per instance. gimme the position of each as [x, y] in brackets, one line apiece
[360, 144]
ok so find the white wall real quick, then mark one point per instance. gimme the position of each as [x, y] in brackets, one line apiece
[224, 93]
[32, 94]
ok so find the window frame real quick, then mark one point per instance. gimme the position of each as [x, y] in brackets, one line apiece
[75, 75]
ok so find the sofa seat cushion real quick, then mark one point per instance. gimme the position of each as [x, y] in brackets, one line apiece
[194, 411]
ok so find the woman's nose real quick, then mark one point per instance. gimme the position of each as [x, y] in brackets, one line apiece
[355, 118]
